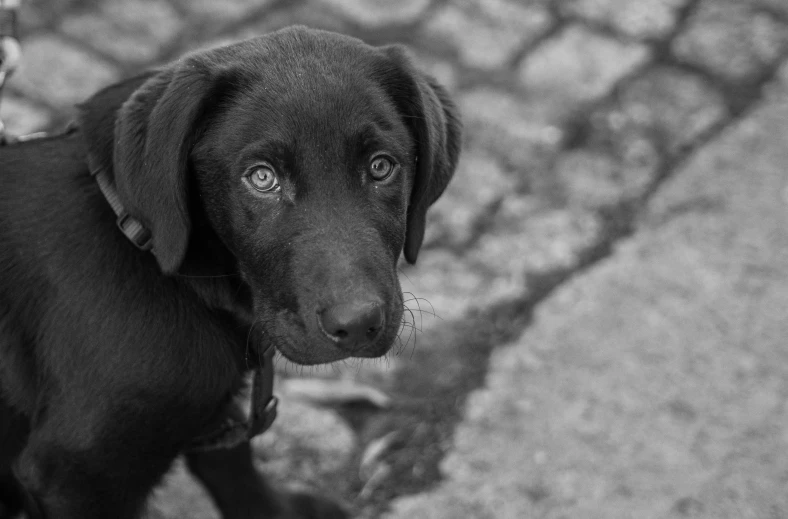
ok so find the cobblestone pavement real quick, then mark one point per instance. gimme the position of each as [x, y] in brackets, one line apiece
[579, 114]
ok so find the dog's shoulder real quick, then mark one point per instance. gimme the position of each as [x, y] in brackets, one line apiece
[43, 201]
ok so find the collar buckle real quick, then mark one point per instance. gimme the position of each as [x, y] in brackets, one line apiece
[263, 419]
[131, 227]
[137, 233]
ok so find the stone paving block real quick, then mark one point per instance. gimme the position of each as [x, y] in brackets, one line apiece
[129, 30]
[614, 165]
[524, 237]
[523, 242]
[213, 11]
[487, 34]
[21, 116]
[379, 13]
[644, 18]
[522, 131]
[625, 141]
[60, 72]
[478, 182]
[578, 66]
[677, 106]
[505, 116]
[599, 176]
[591, 179]
[728, 38]
[604, 174]
[778, 6]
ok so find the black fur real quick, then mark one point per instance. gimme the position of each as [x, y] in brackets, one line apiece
[113, 359]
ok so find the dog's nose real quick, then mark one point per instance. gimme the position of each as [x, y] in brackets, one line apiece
[352, 325]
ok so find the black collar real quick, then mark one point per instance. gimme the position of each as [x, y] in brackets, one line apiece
[234, 427]
[132, 228]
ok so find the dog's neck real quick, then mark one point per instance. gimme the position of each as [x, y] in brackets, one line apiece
[208, 264]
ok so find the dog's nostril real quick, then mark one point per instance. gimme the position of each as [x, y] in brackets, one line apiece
[352, 325]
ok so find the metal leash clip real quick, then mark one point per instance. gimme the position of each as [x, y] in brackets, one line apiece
[10, 50]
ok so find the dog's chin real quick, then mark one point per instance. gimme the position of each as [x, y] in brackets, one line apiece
[307, 356]
[310, 355]
[309, 351]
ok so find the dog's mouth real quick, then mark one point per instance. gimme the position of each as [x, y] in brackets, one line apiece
[309, 357]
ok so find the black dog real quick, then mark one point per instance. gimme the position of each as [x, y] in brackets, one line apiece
[280, 179]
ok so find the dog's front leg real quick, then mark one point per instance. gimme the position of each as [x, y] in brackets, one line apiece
[240, 492]
[109, 479]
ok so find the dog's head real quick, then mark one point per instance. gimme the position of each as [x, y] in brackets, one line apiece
[311, 156]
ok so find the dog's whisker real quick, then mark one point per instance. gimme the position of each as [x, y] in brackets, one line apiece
[402, 344]
[423, 312]
[417, 299]
[412, 316]
[405, 275]
[410, 324]
[411, 294]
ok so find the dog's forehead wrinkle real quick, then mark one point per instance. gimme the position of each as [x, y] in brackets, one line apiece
[308, 91]
[315, 106]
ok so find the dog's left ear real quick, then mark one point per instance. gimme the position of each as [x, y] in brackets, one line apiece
[142, 131]
[433, 120]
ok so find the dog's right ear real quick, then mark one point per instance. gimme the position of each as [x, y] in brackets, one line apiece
[154, 130]
[433, 119]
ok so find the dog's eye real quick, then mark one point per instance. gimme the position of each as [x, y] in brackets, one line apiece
[263, 179]
[381, 168]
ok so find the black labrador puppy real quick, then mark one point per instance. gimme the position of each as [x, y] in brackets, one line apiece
[277, 181]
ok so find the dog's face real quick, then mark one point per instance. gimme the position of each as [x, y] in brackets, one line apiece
[313, 157]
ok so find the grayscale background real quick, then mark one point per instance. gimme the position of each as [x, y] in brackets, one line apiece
[609, 267]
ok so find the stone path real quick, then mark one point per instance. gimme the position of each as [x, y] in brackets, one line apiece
[609, 266]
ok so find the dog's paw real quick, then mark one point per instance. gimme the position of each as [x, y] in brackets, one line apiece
[302, 505]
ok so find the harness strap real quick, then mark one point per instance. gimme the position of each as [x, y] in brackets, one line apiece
[263, 400]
